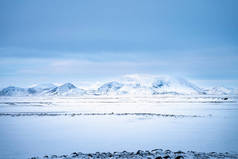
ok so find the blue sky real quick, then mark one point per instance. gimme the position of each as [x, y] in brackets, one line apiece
[85, 41]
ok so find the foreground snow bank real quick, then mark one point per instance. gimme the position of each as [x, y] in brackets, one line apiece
[154, 154]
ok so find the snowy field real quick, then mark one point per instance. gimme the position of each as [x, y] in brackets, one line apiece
[39, 126]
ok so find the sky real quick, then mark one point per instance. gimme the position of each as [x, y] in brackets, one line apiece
[85, 41]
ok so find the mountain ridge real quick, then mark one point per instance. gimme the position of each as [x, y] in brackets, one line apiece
[127, 85]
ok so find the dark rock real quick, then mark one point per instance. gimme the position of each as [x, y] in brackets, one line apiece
[139, 152]
[63, 156]
[147, 152]
[212, 153]
[74, 154]
[166, 157]
[154, 154]
[167, 151]
[110, 155]
[156, 150]
[179, 152]
[54, 156]
[90, 155]
[193, 152]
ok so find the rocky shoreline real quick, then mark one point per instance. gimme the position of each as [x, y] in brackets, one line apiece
[154, 154]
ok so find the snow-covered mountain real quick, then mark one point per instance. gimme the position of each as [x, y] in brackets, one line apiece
[39, 89]
[66, 89]
[149, 85]
[13, 91]
[127, 85]
[110, 88]
[221, 91]
[175, 86]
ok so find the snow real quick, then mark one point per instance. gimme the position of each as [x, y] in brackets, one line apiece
[221, 91]
[131, 113]
[109, 87]
[66, 89]
[133, 85]
[61, 125]
[13, 91]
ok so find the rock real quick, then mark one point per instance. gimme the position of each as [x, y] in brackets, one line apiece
[109, 155]
[167, 151]
[167, 157]
[154, 154]
[139, 152]
[54, 156]
[74, 154]
[63, 156]
[179, 152]
[147, 153]
[90, 155]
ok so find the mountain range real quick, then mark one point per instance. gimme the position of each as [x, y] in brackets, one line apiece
[128, 85]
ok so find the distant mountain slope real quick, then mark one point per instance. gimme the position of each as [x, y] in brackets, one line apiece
[40, 88]
[221, 91]
[146, 85]
[175, 86]
[109, 88]
[13, 91]
[66, 89]
[127, 85]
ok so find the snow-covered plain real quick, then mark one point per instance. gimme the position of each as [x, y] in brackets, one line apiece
[132, 113]
[53, 125]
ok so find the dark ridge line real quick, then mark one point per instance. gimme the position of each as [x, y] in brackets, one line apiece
[153, 154]
[98, 114]
[112, 102]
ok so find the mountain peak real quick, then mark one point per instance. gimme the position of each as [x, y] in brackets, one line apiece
[109, 87]
[68, 85]
[63, 89]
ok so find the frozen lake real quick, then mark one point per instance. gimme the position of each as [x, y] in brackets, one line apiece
[215, 128]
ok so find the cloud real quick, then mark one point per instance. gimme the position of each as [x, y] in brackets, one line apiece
[206, 64]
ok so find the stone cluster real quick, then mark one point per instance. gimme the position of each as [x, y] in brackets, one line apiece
[154, 154]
